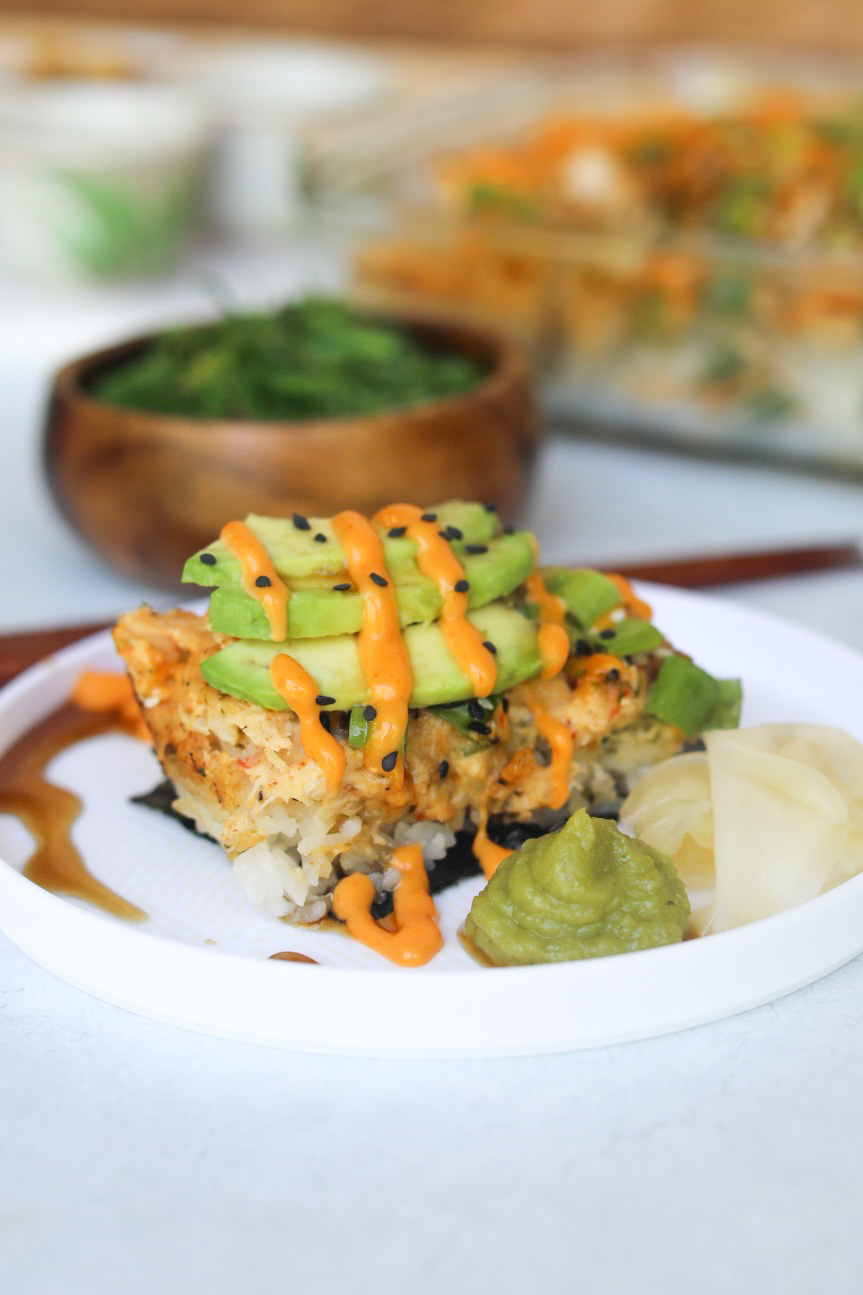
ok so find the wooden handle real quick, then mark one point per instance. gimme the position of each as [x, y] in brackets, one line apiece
[735, 568]
[18, 651]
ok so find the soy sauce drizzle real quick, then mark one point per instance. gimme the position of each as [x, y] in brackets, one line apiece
[49, 811]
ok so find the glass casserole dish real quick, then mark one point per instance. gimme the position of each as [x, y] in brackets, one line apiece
[677, 236]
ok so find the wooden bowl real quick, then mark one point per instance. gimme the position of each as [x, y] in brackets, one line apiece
[147, 490]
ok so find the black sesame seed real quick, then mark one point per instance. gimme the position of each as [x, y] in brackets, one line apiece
[443, 769]
[323, 700]
[443, 535]
[369, 713]
[461, 586]
[302, 523]
[389, 761]
[320, 538]
[260, 795]
[476, 548]
[490, 507]
[396, 532]
[504, 705]
[453, 533]
[490, 647]
[475, 710]
[325, 721]
[476, 726]
[583, 648]
[263, 582]
[606, 634]
[378, 580]
[613, 676]
[428, 517]
[208, 559]
[509, 530]
[342, 587]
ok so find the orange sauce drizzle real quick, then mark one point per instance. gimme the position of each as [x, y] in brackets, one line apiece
[417, 937]
[299, 690]
[488, 854]
[559, 738]
[436, 559]
[552, 637]
[562, 743]
[104, 692]
[633, 605]
[383, 655]
[255, 561]
[598, 665]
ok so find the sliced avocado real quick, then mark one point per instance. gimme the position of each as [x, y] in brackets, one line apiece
[294, 550]
[242, 668]
[314, 612]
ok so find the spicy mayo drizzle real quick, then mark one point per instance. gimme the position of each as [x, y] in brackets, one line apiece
[632, 604]
[436, 559]
[417, 937]
[382, 651]
[552, 637]
[257, 565]
[299, 690]
[488, 854]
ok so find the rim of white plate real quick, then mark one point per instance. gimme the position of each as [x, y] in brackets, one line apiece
[455, 1013]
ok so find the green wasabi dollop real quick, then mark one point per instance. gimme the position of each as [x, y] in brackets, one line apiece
[582, 892]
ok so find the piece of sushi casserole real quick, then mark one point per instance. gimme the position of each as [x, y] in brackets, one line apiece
[360, 685]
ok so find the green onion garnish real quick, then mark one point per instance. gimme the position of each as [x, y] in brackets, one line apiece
[358, 728]
[588, 594]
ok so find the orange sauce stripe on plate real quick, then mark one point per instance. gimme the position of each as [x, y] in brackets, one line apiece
[488, 854]
[633, 605]
[552, 635]
[436, 559]
[562, 744]
[105, 691]
[257, 565]
[299, 690]
[417, 937]
[383, 655]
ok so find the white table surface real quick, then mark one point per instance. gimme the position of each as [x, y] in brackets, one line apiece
[139, 1158]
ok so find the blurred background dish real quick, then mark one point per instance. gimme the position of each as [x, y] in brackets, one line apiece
[675, 235]
[147, 489]
[99, 180]
[264, 97]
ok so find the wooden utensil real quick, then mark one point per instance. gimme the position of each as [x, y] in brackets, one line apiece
[18, 651]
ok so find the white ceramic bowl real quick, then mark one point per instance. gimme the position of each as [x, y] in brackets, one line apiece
[98, 180]
[264, 97]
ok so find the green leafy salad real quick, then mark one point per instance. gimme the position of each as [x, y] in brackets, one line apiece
[316, 358]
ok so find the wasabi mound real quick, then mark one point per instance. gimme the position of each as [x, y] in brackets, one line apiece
[583, 892]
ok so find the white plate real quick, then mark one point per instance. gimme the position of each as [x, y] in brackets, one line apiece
[201, 959]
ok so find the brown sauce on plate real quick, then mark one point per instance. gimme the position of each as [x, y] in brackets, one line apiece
[49, 811]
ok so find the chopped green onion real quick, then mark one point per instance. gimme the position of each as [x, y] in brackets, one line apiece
[629, 637]
[358, 727]
[459, 714]
[683, 694]
[588, 594]
[726, 712]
